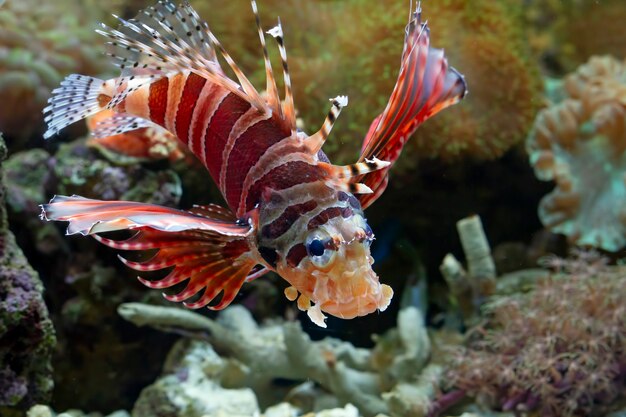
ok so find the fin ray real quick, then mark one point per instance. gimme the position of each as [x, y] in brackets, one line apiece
[425, 86]
[159, 40]
[78, 97]
[289, 111]
[213, 254]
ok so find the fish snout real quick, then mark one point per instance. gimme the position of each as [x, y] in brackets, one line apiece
[357, 292]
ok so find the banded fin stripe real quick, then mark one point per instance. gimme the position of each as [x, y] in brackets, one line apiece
[281, 177]
[288, 109]
[273, 98]
[298, 252]
[194, 84]
[250, 146]
[297, 194]
[230, 109]
[326, 209]
[316, 141]
[174, 94]
[157, 100]
[328, 214]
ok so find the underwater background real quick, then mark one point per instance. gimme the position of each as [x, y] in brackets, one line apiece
[501, 232]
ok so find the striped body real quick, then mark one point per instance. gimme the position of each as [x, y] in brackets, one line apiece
[245, 150]
[252, 157]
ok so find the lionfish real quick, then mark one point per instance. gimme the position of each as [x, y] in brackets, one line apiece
[289, 209]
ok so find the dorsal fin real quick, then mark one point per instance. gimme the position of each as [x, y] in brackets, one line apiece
[162, 39]
[425, 86]
[288, 108]
[273, 98]
[316, 141]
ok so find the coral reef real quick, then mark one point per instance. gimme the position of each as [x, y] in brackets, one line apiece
[79, 171]
[468, 289]
[486, 41]
[483, 39]
[94, 344]
[256, 357]
[27, 337]
[560, 31]
[579, 143]
[557, 350]
[40, 43]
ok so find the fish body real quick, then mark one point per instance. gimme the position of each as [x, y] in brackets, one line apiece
[289, 209]
[148, 143]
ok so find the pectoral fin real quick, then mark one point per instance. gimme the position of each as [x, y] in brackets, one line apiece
[425, 86]
[204, 246]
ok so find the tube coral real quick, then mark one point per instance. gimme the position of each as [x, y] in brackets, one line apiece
[580, 144]
[555, 351]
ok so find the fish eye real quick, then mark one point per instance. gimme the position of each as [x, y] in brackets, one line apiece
[316, 247]
[319, 249]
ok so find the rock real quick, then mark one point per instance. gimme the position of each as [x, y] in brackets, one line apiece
[190, 388]
[27, 337]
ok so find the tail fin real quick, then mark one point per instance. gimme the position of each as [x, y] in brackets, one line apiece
[204, 246]
[78, 97]
[425, 86]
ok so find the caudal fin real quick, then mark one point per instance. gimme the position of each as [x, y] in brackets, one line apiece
[78, 97]
[425, 86]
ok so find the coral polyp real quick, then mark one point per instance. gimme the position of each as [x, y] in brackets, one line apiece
[580, 144]
[557, 350]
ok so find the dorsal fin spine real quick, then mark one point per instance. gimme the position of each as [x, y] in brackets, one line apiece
[316, 141]
[160, 39]
[289, 109]
[271, 89]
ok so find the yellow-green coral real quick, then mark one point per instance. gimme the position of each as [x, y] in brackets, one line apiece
[353, 47]
[566, 33]
[485, 41]
[40, 43]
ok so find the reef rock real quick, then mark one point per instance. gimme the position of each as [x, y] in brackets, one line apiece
[257, 356]
[27, 337]
[189, 387]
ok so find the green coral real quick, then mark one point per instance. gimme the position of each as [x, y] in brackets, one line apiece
[80, 171]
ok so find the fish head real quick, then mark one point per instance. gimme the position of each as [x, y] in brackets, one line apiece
[330, 270]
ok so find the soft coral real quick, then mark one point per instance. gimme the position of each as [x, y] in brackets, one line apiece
[557, 350]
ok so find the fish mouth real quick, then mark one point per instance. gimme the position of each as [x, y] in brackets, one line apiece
[358, 294]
